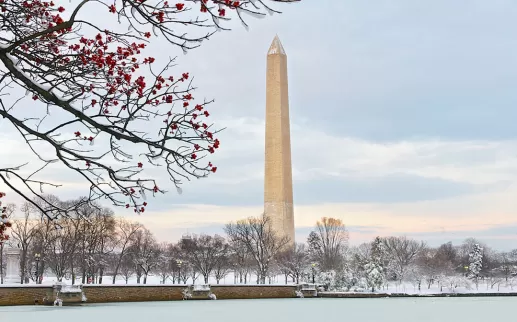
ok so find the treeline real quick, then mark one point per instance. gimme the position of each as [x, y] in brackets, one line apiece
[91, 243]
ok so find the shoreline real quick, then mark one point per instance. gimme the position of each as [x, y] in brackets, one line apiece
[15, 295]
[402, 295]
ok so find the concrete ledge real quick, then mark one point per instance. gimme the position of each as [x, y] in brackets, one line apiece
[384, 295]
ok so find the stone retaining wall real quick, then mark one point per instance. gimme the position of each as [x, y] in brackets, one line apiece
[224, 292]
[123, 293]
[28, 295]
[23, 295]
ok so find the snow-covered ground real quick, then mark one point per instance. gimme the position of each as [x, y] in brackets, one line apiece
[391, 287]
[288, 310]
[156, 280]
[482, 287]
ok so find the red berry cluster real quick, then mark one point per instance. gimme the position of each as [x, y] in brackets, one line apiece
[106, 77]
[4, 222]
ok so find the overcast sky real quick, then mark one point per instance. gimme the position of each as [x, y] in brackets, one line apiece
[402, 121]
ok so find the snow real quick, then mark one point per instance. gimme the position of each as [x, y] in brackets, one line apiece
[298, 310]
[70, 289]
[15, 64]
[201, 287]
[25, 285]
[475, 261]
[309, 287]
[326, 278]
[251, 13]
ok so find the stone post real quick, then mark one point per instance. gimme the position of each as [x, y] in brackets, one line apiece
[12, 275]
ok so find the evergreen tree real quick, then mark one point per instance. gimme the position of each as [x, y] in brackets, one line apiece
[378, 251]
[374, 269]
[475, 263]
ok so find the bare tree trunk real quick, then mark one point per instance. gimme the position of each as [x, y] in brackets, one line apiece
[41, 272]
[23, 265]
[101, 274]
[72, 271]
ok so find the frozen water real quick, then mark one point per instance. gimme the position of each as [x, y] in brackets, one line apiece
[479, 309]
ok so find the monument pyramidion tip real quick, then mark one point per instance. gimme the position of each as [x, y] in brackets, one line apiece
[276, 47]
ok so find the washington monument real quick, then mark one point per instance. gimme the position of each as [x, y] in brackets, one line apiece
[278, 180]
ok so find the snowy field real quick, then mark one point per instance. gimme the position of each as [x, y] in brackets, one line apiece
[288, 310]
[156, 280]
[503, 286]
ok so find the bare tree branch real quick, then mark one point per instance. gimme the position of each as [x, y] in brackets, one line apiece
[102, 109]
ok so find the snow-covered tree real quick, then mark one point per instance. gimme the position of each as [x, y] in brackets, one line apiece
[260, 241]
[205, 252]
[402, 252]
[341, 280]
[453, 282]
[415, 276]
[328, 243]
[430, 265]
[4, 221]
[374, 270]
[378, 251]
[374, 276]
[144, 253]
[326, 278]
[475, 263]
[294, 262]
[508, 264]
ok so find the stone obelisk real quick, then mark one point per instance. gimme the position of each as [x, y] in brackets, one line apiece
[278, 182]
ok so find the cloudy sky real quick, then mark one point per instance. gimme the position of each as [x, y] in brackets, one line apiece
[402, 118]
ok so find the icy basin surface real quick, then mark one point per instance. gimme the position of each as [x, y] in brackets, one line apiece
[480, 309]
